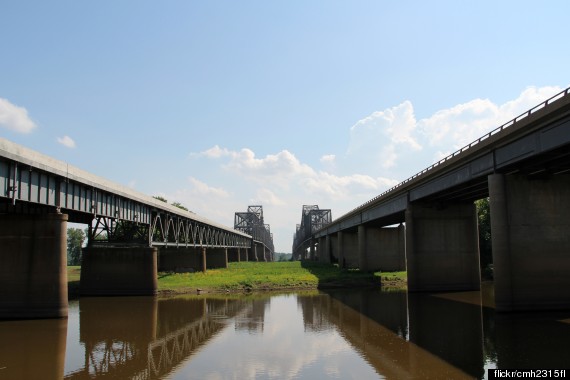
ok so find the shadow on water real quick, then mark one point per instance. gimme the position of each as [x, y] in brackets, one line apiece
[449, 332]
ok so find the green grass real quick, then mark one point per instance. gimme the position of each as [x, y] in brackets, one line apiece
[264, 276]
[251, 276]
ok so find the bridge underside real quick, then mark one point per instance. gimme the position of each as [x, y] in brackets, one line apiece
[530, 233]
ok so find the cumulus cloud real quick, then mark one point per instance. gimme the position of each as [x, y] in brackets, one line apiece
[377, 137]
[455, 127]
[66, 141]
[385, 148]
[201, 188]
[393, 140]
[15, 118]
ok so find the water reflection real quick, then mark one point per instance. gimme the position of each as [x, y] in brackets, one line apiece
[338, 334]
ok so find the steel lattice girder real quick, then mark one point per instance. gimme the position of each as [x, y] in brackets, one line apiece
[312, 220]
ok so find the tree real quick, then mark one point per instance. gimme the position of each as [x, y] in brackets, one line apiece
[160, 198]
[75, 239]
[485, 249]
[179, 205]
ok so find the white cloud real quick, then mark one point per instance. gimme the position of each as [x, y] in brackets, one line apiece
[460, 125]
[15, 118]
[267, 197]
[385, 148]
[328, 158]
[381, 138]
[66, 141]
[201, 188]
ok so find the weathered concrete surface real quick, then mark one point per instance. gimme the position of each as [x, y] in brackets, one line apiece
[33, 266]
[348, 248]
[386, 248]
[179, 260]
[119, 271]
[530, 230]
[442, 247]
[216, 258]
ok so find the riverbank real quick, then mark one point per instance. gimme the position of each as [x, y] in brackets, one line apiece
[262, 276]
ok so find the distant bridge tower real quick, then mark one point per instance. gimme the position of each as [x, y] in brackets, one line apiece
[252, 222]
[312, 220]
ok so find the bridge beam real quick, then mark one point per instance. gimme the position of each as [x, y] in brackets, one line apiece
[33, 266]
[530, 235]
[114, 271]
[442, 247]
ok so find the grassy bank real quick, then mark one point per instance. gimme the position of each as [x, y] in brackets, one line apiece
[252, 276]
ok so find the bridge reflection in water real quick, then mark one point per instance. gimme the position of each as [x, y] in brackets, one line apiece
[339, 333]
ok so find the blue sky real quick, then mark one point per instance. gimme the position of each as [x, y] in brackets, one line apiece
[224, 104]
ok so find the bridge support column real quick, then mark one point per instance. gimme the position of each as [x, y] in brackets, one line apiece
[442, 247]
[340, 249]
[362, 251]
[33, 266]
[326, 255]
[178, 260]
[530, 233]
[312, 249]
[349, 246]
[119, 271]
[216, 258]
[386, 248]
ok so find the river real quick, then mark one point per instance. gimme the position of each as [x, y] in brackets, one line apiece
[340, 334]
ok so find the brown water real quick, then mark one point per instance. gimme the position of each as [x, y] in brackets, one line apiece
[307, 335]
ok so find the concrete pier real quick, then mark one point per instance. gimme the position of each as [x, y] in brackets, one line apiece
[179, 260]
[442, 247]
[386, 248]
[530, 231]
[33, 266]
[216, 258]
[119, 271]
[348, 246]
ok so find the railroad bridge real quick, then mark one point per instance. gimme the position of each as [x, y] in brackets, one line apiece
[428, 226]
[131, 236]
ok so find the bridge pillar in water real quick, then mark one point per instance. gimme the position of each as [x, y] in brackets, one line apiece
[442, 247]
[179, 260]
[33, 266]
[530, 233]
[386, 248]
[312, 255]
[119, 271]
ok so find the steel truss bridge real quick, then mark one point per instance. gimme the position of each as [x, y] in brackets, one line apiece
[252, 223]
[312, 220]
[33, 183]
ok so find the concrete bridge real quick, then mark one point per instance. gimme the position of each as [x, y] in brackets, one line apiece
[427, 224]
[131, 236]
